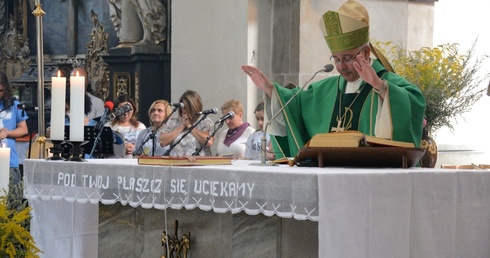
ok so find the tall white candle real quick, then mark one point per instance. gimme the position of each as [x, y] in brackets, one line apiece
[58, 100]
[77, 107]
[4, 169]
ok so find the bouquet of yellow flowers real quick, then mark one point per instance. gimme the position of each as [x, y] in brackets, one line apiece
[15, 238]
[449, 80]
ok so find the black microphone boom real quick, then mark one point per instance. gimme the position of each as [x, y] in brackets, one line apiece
[223, 118]
[177, 105]
[207, 112]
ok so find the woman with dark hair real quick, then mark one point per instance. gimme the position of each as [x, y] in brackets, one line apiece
[87, 109]
[12, 125]
[175, 129]
[127, 124]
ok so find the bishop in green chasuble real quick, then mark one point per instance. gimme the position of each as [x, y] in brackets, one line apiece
[367, 96]
[316, 110]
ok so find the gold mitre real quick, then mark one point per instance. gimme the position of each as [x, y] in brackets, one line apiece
[347, 28]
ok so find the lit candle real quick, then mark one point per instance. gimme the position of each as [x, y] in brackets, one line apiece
[4, 169]
[58, 93]
[77, 107]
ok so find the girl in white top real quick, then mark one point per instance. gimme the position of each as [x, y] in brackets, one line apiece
[127, 124]
[254, 142]
[232, 141]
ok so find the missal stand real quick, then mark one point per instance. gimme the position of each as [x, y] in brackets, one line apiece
[99, 143]
[379, 157]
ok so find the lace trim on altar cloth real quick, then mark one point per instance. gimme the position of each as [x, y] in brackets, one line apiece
[282, 191]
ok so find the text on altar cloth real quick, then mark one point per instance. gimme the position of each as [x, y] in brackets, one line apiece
[145, 185]
[214, 188]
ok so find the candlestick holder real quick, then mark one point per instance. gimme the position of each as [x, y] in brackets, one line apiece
[77, 151]
[56, 150]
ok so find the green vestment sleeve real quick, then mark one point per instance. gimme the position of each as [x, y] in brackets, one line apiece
[310, 112]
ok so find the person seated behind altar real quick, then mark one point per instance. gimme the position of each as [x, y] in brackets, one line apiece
[232, 141]
[254, 142]
[159, 111]
[97, 109]
[126, 124]
[176, 128]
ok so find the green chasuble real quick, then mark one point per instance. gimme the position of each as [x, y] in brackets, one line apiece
[316, 110]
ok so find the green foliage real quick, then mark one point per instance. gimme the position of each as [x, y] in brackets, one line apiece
[449, 80]
[15, 238]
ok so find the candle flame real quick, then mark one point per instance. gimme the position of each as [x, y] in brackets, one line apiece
[59, 73]
[77, 74]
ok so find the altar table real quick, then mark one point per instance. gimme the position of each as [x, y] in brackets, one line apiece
[382, 212]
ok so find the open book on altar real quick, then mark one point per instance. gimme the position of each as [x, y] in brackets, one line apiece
[183, 160]
[353, 138]
[354, 149]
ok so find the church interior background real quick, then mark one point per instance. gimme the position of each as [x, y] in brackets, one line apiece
[268, 34]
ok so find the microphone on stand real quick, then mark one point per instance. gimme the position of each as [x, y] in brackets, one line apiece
[108, 107]
[263, 159]
[229, 115]
[177, 105]
[207, 112]
[152, 134]
[220, 122]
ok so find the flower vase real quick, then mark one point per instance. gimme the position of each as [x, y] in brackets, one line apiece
[429, 144]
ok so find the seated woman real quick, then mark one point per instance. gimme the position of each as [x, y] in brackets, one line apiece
[127, 124]
[158, 112]
[176, 128]
[87, 109]
[232, 141]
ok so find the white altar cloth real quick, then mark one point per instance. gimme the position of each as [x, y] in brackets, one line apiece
[65, 195]
[361, 212]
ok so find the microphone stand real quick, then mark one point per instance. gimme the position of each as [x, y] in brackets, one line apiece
[208, 138]
[167, 153]
[263, 147]
[99, 127]
[152, 135]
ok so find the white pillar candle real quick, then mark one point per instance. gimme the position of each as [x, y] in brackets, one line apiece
[4, 169]
[58, 100]
[77, 107]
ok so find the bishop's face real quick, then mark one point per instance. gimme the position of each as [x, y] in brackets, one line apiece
[344, 63]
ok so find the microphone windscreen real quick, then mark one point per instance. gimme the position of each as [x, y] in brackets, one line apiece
[328, 68]
[108, 104]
